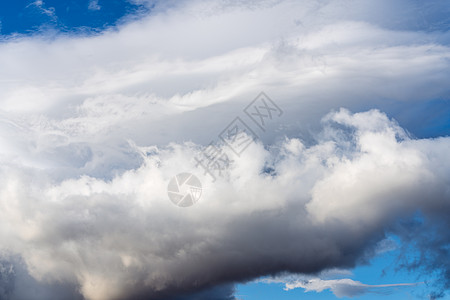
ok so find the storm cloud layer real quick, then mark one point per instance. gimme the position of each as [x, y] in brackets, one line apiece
[92, 129]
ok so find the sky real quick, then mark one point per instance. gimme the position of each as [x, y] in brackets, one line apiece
[224, 150]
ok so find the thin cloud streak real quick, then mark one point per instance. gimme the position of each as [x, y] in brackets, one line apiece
[344, 287]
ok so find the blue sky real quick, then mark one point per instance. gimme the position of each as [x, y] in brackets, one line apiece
[28, 17]
[343, 192]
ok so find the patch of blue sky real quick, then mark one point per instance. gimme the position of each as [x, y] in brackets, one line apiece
[86, 16]
[270, 291]
[382, 269]
[428, 119]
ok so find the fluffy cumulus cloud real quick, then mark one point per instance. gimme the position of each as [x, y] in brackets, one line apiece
[93, 127]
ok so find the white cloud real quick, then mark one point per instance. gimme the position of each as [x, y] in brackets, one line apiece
[125, 233]
[335, 280]
[93, 128]
[343, 287]
[44, 10]
[93, 5]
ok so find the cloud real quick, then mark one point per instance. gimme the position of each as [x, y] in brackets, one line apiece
[17, 283]
[334, 280]
[50, 12]
[92, 129]
[123, 238]
[342, 287]
[93, 5]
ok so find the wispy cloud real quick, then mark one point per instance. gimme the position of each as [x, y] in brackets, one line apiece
[40, 4]
[344, 287]
[93, 5]
[335, 280]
